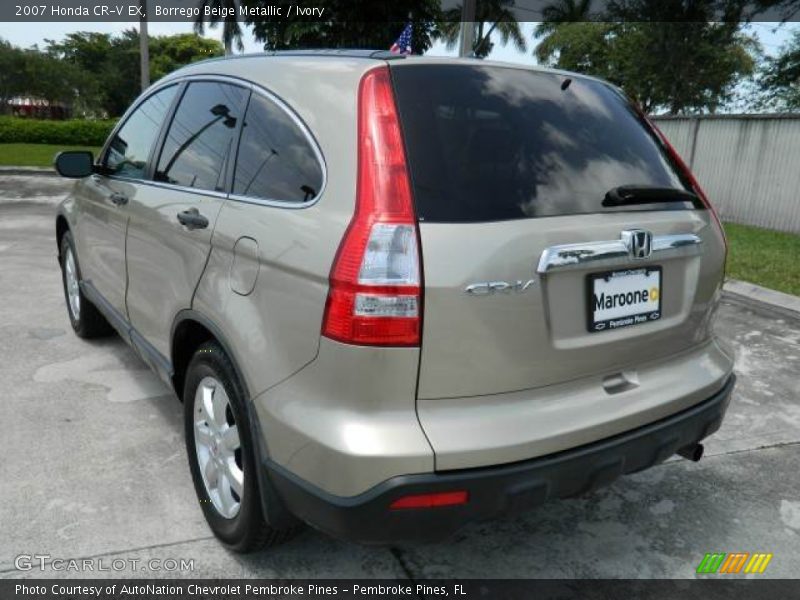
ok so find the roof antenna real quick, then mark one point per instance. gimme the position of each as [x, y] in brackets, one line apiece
[565, 84]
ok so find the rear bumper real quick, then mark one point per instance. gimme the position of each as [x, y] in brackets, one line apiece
[500, 489]
[483, 431]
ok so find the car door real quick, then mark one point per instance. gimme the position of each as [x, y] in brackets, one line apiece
[106, 194]
[171, 222]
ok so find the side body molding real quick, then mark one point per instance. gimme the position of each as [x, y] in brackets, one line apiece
[149, 354]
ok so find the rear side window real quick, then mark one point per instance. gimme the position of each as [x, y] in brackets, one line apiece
[276, 160]
[198, 144]
[492, 143]
[130, 147]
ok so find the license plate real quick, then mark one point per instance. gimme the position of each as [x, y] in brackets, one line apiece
[623, 298]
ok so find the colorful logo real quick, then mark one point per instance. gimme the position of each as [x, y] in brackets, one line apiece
[734, 562]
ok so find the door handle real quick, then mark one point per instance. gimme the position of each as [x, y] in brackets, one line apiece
[192, 219]
[118, 199]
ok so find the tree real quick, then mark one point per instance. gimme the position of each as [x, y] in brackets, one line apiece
[90, 53]
[685, 66]
[40, 75]
[491, 16]
[231, 31]
[12, 77]
[112, 62]
[52, 80]
[346, 24]
[563, 11]
[169, 53]
[779, 80]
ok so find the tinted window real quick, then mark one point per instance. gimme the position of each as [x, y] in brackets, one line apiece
[275, 159]
[489, 143]
[130, 147]
[200, 136]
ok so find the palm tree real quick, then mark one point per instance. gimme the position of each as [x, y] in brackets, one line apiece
[231, 31]
[490, 16]
[553, 15]
[144, 47]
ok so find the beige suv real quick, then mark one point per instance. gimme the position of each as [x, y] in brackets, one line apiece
[399, 294]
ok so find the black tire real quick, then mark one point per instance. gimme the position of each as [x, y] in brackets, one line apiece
[88, 322]
[248, 530]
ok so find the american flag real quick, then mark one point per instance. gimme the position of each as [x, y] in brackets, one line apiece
[403, 43]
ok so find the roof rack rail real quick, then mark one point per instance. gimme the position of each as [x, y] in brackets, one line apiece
[345, 52]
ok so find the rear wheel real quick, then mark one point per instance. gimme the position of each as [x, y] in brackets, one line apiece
[222, 455]
[84, 317]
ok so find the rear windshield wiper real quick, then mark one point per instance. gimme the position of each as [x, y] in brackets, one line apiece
[635, 194]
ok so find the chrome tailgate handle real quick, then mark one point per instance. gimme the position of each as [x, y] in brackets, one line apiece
[622, 251]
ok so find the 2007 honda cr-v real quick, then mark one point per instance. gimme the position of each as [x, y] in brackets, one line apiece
[399, 294]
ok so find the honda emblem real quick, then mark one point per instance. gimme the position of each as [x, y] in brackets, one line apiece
[639, 242]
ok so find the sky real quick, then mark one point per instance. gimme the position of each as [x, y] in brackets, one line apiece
[771, 36]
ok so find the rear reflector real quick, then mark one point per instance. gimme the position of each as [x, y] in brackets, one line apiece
[375, 292]
[431, 500]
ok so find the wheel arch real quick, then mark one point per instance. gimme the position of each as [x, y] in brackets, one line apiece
[190, 329]
[62, 227]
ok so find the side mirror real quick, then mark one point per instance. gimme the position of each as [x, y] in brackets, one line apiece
[75, 163]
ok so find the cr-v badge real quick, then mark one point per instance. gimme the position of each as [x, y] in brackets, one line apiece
[487, 288]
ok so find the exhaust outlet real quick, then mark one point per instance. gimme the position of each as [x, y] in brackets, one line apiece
[693, 452]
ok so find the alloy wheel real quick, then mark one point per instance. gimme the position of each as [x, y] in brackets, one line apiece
[73, 287]
[218, 447]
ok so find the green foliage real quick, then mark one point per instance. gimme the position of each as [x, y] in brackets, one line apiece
[168, 53]
[347, 24]
[676, 67]
[94, 73]
[33, 73]
[39, 131]
[112, 71]
[12, 63]
[780, 78]
[113, 61]
[564, 11]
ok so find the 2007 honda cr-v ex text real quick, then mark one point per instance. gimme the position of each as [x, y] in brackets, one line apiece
[399, 294]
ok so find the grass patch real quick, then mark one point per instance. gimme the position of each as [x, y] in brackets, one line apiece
[764, 257]
[35, 155]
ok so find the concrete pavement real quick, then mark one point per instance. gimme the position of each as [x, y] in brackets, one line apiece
[93, 461]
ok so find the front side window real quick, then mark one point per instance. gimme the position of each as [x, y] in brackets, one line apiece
[276, 160]
[130, 147]
[198, 144]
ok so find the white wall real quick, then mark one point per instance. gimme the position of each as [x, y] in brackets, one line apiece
[749, 165]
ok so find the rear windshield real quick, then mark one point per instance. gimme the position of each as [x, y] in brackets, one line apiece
[493, 143]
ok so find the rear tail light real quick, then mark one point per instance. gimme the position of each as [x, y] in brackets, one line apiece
[431, 500]
[375, 293]
[687, 173]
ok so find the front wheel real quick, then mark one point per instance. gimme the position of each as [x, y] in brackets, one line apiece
[84, 317]
[222, 455]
